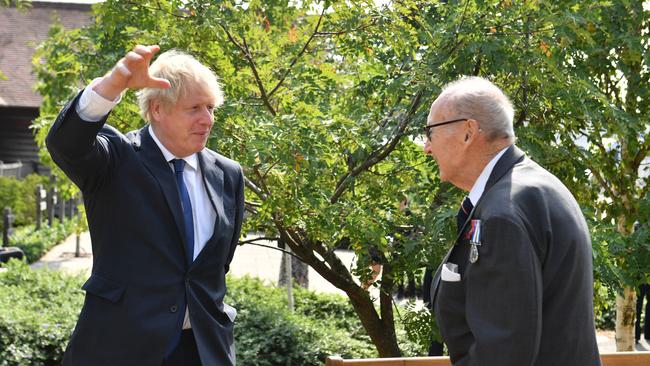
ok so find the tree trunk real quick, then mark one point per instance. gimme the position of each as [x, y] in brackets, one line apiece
[299, 270]
[625, 316]
[625, 307]
[381, 332]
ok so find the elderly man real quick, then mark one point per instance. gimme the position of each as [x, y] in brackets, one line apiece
[164, 214]
[516, 287]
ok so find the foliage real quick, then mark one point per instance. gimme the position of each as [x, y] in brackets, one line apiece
[325, 102]
[35, 243]
[38, 310]
[267, 333]
[420, 326]
[597, 100]
[19, 4]
[20, 196]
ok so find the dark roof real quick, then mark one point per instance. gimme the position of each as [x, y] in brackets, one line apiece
[20, 31]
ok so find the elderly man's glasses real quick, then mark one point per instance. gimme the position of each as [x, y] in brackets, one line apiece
[429, 128]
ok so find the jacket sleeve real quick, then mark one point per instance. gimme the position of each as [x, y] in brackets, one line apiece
[77, 149]
[504, 297]
[239, 215]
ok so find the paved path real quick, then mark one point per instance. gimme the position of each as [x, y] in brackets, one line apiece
[251, 260]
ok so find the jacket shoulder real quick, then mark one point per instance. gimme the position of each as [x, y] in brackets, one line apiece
[227, 164]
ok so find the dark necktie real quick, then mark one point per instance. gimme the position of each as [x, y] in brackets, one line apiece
[463, 213]
[188, 221]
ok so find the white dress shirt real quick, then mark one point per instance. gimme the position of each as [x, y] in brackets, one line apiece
[93, 107]
[479, 186]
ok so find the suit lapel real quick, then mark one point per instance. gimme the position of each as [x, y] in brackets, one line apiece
[511, 157]
[155, 162]
[212, 177]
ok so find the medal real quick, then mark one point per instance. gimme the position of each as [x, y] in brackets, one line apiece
[475, 241]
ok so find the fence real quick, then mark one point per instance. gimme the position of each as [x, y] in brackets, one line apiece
[607, 359]
[49, 205]
[10, 169]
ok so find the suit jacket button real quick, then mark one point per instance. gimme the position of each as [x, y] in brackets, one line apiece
[173, 308]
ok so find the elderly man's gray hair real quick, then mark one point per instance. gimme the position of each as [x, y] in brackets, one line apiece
[479, 99]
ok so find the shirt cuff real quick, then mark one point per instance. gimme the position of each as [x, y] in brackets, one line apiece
[91, 106]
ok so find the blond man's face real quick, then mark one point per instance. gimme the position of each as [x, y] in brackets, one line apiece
[184, 128]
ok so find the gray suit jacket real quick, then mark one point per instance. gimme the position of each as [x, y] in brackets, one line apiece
[528, 299]
[141, 282]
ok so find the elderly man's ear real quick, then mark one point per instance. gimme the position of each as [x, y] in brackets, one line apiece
[472, 128]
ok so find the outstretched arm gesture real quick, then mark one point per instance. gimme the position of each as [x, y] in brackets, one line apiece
[131, 72]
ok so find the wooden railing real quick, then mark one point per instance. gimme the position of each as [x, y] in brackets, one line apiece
[608, 359]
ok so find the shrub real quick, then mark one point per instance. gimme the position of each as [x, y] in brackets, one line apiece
[268, 334]
[20, 196]
[38, 310]
[35, 243]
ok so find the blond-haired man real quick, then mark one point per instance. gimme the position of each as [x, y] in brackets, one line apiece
[164, 214]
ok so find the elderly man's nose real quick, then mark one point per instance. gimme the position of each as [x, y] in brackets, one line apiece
[427, 147]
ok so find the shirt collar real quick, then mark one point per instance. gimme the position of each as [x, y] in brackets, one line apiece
[190, 160]
[479, 186]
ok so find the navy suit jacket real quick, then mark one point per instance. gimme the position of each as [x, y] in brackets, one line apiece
[528, 299]
[141, 281]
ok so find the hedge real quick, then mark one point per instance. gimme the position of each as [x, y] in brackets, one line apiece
[20, 196]
[35, 243]
[38, 310]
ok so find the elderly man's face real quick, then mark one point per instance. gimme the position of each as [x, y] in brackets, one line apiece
[184, 128]
[444, 142]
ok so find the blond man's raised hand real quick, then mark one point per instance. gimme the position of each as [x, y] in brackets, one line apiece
[131, 72]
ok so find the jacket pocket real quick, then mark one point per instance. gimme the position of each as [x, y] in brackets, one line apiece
[104, 288]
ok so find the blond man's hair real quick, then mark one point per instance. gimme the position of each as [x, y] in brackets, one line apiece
[184, 73]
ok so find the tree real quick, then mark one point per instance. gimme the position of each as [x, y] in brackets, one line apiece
[319, 110]
[325, 104]
[598, 68]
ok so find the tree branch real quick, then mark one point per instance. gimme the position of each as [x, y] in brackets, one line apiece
[249, 183]
[253, 242]
[378, 155]
[302, 51]
[246, 51]
[340, 33]
[639, 157]
[595, 172]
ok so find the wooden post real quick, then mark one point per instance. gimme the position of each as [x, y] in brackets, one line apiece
[40, 192]
[289, 277]
[51, 200]
[61, 209]
[7, 219]
[71, 205]
[77, 251]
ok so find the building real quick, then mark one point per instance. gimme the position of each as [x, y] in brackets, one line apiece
[20, 32]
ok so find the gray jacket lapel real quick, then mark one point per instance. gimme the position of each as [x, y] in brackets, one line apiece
[511, 157]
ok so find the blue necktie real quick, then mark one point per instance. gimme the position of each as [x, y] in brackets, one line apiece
[186, 204]
[463, 213]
